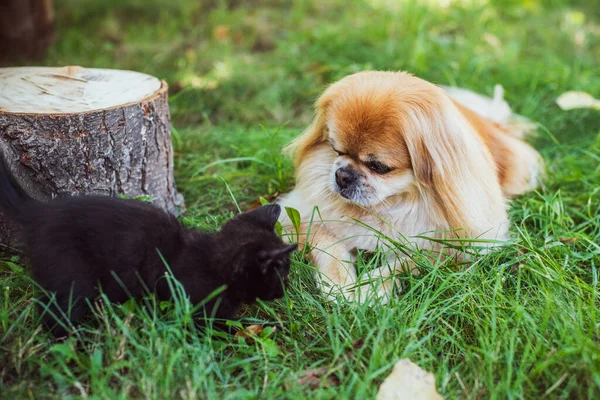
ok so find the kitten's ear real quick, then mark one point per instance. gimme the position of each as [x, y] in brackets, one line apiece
[283, 251]
[265, 216]
[268, 256]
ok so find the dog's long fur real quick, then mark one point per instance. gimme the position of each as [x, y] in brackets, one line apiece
[452, 170]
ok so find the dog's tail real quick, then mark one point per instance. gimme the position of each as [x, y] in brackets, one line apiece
[13, 198]
[495, 109]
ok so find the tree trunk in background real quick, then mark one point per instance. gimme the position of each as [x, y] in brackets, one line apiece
[69, 131]
[25, 28]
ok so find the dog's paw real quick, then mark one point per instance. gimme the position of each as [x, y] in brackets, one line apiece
[335, 293]
[340, 295]
[373, 293]
[376, 288]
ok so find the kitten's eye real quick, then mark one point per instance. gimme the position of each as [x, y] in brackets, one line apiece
[378, 167]
[277, 264]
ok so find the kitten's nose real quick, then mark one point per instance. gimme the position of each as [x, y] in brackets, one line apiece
[345, 178]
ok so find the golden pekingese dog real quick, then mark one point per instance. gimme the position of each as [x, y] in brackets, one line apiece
[391, 153]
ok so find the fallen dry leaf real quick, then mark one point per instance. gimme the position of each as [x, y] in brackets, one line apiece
[573, 99]
[318, 377]
[408, 382]
[220, 32]
[568, 240]
[250, 332]
[358, 343]
[268, 197]
[516, 267]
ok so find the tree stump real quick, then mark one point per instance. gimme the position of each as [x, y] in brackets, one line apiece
[70, 131]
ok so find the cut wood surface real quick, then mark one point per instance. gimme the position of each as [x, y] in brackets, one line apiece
[69, 90]
[71, 130]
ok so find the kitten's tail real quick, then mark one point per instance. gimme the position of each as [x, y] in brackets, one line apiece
[13, 198]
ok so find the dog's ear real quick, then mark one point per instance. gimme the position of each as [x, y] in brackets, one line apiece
[315, 133]
[421, 161]
[454, 169]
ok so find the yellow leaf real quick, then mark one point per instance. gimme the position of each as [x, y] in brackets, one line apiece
[408, 382]
[221, 32]
[250, 332]
[572, 100]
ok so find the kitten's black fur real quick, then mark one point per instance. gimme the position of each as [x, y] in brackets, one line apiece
[76, 243]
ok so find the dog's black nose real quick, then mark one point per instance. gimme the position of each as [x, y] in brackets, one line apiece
[345, 178]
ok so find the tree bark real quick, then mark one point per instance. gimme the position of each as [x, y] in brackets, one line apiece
[26, 28]
[112, 137]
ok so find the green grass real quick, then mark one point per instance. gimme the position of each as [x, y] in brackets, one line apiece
[522, 323]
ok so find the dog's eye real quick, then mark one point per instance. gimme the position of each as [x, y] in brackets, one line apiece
[378, 167]
[339, 153]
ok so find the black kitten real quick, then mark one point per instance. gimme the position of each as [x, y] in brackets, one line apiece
[78, 244]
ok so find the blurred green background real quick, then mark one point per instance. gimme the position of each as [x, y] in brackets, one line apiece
[236, 65]
[264, 61]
